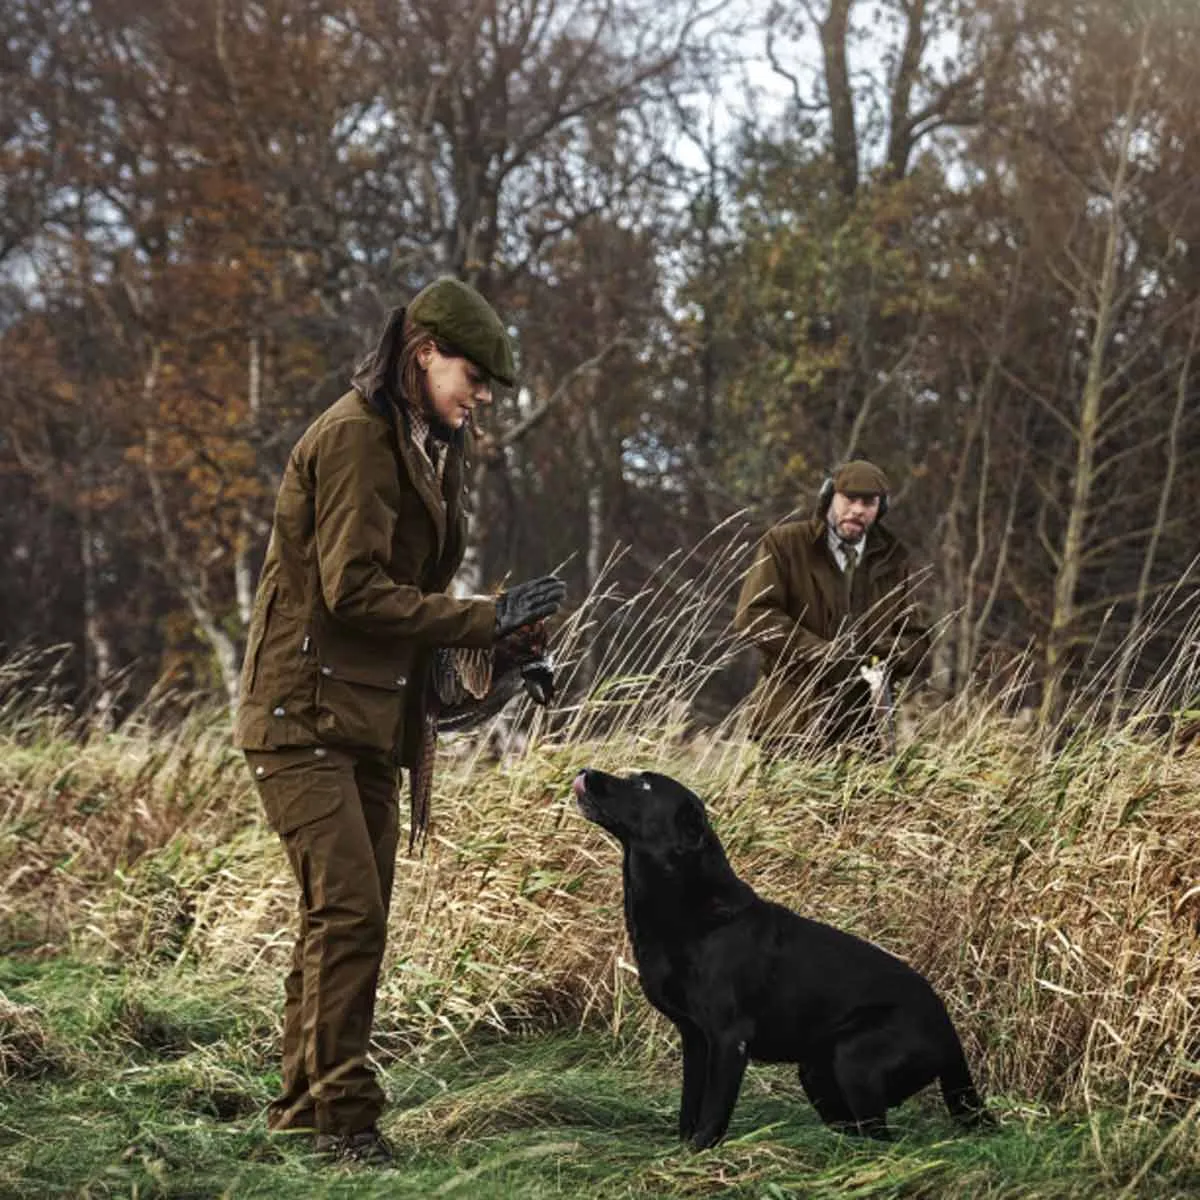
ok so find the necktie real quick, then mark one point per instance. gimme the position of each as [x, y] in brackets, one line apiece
[851, 552]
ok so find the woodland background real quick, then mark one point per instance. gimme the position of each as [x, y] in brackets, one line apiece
[737, 243]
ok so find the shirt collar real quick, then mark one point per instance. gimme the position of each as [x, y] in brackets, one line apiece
[418, 426]
[838, 548]
[420, 432]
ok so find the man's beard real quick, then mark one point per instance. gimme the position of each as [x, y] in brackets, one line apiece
[853, 538]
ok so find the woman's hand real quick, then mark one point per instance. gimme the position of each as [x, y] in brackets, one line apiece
[525, 603]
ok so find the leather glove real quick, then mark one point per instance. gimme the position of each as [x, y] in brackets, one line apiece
[525, 603]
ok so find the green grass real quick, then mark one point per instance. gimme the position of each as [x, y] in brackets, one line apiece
[1045, 884]
[154, 1085]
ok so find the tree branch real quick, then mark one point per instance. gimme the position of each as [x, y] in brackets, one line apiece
[560, 393]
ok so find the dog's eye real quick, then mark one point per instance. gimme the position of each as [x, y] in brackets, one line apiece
[645, 785]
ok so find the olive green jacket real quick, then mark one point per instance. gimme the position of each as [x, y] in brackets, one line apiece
[351, 602]
[794, 604]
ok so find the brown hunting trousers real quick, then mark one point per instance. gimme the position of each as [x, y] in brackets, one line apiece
[336, 814]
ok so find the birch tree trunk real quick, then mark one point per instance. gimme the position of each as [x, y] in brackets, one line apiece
[1088, 431]
[185, 577]
[243, 572]
[98, 651]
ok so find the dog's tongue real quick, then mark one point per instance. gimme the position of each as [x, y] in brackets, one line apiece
[578, 786]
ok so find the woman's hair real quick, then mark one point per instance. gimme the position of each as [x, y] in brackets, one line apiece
[391, 369]
[408, 378]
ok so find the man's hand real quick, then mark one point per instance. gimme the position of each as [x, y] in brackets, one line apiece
[525, 603]
[846, 669]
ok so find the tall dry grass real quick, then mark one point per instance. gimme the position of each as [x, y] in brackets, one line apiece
[1046, 880]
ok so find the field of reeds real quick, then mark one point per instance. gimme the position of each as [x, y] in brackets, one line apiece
[1046, 880]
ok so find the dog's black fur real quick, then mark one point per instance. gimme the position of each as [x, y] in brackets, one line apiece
[744, 978]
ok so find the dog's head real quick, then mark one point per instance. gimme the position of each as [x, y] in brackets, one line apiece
[645, 811]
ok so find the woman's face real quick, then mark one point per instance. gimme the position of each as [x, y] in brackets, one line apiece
[454, 386]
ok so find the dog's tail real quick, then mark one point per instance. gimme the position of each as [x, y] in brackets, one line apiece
[958, 1089]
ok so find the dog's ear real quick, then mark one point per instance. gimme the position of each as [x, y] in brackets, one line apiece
[691, 826]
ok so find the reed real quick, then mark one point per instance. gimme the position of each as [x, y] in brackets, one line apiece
[1045, 879]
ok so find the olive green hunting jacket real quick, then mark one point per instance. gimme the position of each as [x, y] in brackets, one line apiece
[794, 604]
[351, 602]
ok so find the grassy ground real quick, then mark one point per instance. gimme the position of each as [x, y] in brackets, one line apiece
[1044, 880]
[154, 1086]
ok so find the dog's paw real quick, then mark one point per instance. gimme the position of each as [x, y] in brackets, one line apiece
[705, 1139]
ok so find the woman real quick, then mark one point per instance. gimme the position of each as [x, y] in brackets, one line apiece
[370, 526]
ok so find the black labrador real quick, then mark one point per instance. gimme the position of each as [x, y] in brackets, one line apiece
[744, 978]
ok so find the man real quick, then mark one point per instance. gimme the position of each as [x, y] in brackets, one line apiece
[352, 612]
[827, 603]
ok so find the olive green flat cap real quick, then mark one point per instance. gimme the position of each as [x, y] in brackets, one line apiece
[860, 478]
[455, 313]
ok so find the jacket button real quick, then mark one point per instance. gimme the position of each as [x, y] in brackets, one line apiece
[400, 681]
[320, 752]
[279, 712]
[260, 771]
[326, 670]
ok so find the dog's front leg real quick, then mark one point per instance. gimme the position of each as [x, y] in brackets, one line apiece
[727, 1057]
[695, 1073]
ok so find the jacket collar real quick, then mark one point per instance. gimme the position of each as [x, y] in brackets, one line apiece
[416, 466]
[824, 581]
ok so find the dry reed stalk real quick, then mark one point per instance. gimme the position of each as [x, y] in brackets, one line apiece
[1044, 879]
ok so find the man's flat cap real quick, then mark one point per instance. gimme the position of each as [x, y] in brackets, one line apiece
[455, 313]
[860, 478]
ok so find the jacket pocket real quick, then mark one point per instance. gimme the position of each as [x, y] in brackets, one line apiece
[297, 786]
[360, 705]
[284, 665]
[259, 622]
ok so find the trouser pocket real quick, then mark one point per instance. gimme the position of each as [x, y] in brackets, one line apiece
[298, 785]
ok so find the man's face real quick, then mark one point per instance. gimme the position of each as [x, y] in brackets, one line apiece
[454, 386]
[852, 514]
